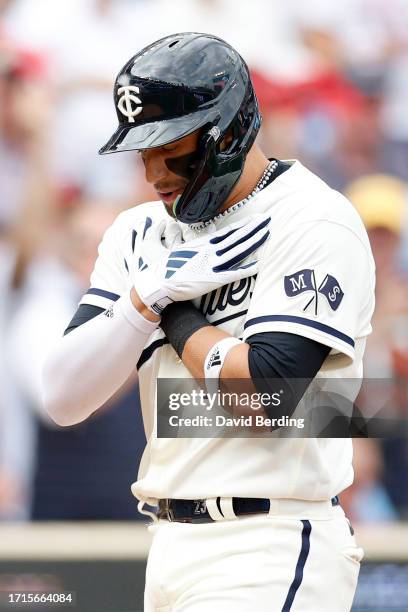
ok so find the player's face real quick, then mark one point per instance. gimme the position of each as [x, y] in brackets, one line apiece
[168, 167]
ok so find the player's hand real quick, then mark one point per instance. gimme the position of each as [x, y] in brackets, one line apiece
[199, 266]
[152, 241]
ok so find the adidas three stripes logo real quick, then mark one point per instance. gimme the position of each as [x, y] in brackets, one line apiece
[176, 260]
[215, 360]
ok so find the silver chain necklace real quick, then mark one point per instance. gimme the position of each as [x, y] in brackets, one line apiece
[269, 170]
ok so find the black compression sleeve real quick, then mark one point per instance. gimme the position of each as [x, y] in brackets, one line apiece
[285, 355]
[293, 360]
[85, 313]
[179, 321]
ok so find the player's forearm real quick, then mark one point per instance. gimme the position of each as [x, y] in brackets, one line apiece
[235, 365]
[199, 344]
[194, 338]
[93, 361]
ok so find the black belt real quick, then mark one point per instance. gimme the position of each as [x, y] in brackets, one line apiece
[195, 510]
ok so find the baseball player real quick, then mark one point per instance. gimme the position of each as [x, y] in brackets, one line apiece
[243, 268]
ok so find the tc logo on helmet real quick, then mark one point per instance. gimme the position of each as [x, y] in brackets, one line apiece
[126, 101]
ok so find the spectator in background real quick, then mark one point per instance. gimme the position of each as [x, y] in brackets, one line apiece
[382, 202]
[25, 186]
[85, 42]
[25, 100]
[367, 500]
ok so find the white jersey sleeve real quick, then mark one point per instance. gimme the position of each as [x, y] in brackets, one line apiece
[109, 277]
[316, 280]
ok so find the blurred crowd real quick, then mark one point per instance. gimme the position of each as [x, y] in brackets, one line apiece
[332, 82]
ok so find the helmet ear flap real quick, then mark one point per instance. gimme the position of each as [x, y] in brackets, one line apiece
[222, 156]
[228, 142]
[187, 165]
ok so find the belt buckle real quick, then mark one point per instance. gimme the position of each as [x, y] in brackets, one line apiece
[169, 511]
[164, 511]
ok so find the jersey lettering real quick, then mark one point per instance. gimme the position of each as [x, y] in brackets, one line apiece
[229, 295]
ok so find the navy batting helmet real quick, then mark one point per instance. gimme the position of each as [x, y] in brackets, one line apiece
[180, 84]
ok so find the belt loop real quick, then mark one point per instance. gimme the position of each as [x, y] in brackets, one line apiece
[212, 509]
[152, 515]
[227, 508]
[273, 507]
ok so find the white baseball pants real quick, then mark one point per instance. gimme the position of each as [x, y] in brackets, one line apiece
[301, 557]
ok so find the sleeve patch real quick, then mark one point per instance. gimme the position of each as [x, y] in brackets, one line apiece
[304, 281]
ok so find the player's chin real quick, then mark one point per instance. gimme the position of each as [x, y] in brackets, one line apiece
[169, 201]
[169, 210]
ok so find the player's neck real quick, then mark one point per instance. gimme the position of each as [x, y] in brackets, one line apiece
[255, 165]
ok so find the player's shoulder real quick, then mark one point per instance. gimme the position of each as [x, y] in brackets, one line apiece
[302, 198]
[128, 219]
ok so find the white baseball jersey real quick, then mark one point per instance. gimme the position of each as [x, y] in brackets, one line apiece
[316, 279]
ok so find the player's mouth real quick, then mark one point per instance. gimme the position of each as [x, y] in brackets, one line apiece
[168, 197]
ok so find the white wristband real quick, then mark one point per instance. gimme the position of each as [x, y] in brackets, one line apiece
[215, 360]
[133, 316]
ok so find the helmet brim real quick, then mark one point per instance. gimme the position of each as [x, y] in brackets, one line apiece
[156, 133]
